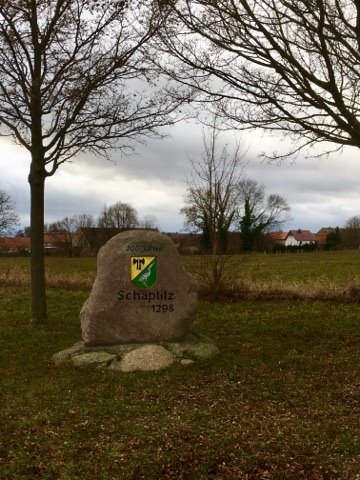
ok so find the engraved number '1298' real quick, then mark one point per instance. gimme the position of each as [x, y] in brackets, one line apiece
[162, 308]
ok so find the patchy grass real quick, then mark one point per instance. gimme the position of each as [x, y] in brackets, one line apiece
[337, 267]
[63, 273]
[281, 401]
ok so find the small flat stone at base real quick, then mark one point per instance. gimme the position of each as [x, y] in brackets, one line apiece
[195, 347]
[146, 358]
[65, 355]
[93, 359]
[186, 362]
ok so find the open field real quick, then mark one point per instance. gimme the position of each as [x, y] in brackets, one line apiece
[281, 401]
[319, 276]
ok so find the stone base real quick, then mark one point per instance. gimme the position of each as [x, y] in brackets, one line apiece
[130, 357]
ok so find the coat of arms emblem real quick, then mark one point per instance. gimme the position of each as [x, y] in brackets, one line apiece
[143, 271]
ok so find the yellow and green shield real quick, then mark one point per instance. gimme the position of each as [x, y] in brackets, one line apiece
[143, 271]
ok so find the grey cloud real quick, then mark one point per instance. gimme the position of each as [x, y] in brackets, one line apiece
[321, 192]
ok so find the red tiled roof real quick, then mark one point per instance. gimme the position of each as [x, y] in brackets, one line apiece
[322, 234]
[15, 243]
[57, 237]
[23, 243]
[278, 236]
[303, 235]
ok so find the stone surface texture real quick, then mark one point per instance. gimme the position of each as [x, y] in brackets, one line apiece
[144, 357]
[117, 311]
[97, 359]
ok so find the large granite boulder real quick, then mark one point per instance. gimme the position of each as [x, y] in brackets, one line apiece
[141, 293]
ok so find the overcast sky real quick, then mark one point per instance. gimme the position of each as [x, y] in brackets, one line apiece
[321, 192]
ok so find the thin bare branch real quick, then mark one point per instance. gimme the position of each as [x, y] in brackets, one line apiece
[274, 64]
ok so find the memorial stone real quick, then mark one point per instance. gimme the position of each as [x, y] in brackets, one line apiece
[141, 293]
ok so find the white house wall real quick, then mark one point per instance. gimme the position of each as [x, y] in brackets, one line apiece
[292, 242]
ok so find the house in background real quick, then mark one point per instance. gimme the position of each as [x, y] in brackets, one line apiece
[278, 237]
[299, 238]
[293, 238]
[87, 241]
[58, 242]
[14, 245]
[321, 236]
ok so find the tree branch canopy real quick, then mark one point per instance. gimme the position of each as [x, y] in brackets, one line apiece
[211, 197]
[282, 65]
[75, 76]
[257, 213]
[65, 71]
[118, 215]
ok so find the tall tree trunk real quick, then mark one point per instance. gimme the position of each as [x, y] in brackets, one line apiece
[37, 186]
[38, 286]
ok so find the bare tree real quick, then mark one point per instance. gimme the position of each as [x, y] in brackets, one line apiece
[82, 220]
[353, 223]
[149, 221]
[119, 215]
[64, 69]
[211, 198]
[259, 213]
[350, 234]
[71, 224]
[8, 218]
[282, 65]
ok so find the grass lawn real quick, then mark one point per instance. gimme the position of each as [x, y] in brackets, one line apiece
[281, 401]
[337, 266]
